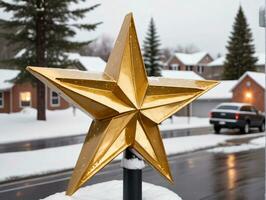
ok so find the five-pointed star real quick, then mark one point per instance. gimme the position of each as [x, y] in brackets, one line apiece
[125, 105]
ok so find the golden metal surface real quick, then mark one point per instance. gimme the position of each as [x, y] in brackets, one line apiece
[126, 106]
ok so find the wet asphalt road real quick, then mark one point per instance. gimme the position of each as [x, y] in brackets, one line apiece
[198, 175]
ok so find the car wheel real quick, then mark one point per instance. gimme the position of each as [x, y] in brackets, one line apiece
[245, 129]
[217, 129]
[262, 127]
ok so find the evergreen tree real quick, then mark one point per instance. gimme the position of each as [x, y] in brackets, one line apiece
[152, 54]
[240, 57]
[44, 33]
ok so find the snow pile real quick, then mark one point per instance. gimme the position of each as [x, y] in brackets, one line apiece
[33, 162]
[252, 145]
[114, 189]
[5, 76]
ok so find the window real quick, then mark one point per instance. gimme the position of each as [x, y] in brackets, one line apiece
[54, 99]
[25, 99]
[175, 67]
[200, 69]
[246, 108]
[228, 107]
[1, 99]
[189, 68]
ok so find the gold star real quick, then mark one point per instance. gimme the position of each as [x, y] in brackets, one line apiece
[125, 105]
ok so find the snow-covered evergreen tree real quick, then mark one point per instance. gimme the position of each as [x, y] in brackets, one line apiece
[152, 54]
[44, 33]
[240, 57]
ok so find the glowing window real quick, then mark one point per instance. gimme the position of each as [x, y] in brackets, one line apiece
[25, 99]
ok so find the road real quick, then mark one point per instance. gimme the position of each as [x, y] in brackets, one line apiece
[197, 175]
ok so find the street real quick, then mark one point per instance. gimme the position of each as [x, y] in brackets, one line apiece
[197, 175]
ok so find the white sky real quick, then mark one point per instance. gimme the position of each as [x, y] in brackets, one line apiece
[204, 23]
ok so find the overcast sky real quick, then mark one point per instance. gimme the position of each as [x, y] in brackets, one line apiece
[204, 23]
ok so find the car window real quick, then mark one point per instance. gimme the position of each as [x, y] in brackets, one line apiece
[227, 107]
[246, 108]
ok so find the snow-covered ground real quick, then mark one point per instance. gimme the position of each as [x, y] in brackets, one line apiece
[24, 126]
[257, 143]
[114, 189]
[22, 164]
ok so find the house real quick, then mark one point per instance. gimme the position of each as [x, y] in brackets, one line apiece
[214, 70]
[189, 62]
[250, 88]
[219, 94]
[15, 97]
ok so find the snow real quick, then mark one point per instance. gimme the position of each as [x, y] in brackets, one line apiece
[181, 74]
[90, 63]
[33, 162]
[23, 125]
[217, 62]
[220, 61]
[252, 145]
[221, 91]
[261, 58]
[5, 76]
[133, 163]
[191, 58]
[258, 77]
[114, 189]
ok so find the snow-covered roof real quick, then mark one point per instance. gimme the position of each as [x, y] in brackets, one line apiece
[181, 74]
[217, 62]
[220, 61]
[90, 63]
[191, 58]
[258, 77]
[221, 91]
[5, 76]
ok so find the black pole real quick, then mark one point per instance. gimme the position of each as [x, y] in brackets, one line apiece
[132, 182]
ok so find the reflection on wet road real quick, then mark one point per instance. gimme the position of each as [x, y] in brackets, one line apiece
[199, 175]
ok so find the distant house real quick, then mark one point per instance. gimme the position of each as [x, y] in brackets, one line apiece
[15, 97]
[250, 88]
[216, 67]
[219, 94]
[189, 62]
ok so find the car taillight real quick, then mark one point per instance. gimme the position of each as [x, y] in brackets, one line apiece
[237, 116]
[210, 114]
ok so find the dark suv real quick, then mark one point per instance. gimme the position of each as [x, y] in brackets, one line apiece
[237, 115]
